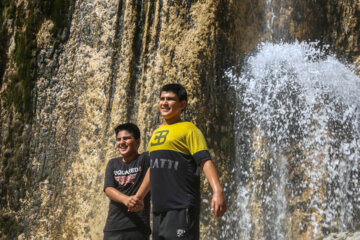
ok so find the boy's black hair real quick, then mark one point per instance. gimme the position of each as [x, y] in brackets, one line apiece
[176, 88]
[130, 127]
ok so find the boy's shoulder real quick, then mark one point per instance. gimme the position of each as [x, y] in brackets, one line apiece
[144, 155]
[115, 160]
[118, 161]
[186, 123]
[182, 124]
[187, 126]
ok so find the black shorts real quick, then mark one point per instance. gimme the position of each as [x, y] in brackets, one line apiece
[176, 224]
[128, 234]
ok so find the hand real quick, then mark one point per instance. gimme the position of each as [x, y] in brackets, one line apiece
[218, 204]
[137, 208]
[131, 201]
[134, 204]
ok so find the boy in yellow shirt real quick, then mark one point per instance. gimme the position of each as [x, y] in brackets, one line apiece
[177, 152]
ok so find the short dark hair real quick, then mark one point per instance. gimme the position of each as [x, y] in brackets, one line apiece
[176, 88]
[130, 127]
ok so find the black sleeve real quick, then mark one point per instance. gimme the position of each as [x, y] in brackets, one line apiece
[109, 176]
[202, 156]
[146, 162]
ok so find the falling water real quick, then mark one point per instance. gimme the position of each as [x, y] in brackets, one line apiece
[298, 145]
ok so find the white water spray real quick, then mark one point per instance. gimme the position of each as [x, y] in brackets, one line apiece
[298, 145]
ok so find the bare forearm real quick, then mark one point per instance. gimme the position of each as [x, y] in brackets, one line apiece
[145, 186]
[218, 203]
[132, 202]
[212, 176]
[115, 195]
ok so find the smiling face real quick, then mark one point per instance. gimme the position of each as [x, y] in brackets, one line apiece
[127, 145]
[170, 106]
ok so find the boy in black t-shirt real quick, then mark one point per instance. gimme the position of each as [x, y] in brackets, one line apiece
[126, 184]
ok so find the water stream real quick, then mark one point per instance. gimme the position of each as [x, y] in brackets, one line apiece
[298, 145]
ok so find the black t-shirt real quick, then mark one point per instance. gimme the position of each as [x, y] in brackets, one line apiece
[127, 178]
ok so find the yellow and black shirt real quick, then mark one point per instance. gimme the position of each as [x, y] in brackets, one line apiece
[176, 152]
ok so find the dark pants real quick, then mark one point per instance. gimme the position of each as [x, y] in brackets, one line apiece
[129, 234]
[176, 224]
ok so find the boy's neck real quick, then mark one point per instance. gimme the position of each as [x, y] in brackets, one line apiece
[131, 157]
[172, 120]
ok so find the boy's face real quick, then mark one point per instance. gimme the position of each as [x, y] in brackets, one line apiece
[127, 144]
[170, 106]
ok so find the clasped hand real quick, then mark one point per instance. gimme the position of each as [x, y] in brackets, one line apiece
[134, 203]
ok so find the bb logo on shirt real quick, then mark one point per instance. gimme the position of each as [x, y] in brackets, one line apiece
[160, 137]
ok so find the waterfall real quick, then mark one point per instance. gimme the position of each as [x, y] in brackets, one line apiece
[297, 145]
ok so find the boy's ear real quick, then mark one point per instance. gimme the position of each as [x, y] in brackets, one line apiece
[138, 141]
[183, 104]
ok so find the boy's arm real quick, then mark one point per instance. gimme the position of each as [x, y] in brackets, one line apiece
[117, 196]
[111, 191]
[142, 191]
[218, 204]
[145, 186]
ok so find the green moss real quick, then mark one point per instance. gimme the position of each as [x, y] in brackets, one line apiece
[6, 10]
[21, 84]
[19, 96]
[59, 11]
[10, 226]
[20, 16]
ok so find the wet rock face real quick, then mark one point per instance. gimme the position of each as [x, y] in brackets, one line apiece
[334, 23]
[343, 236]
[72, 70]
